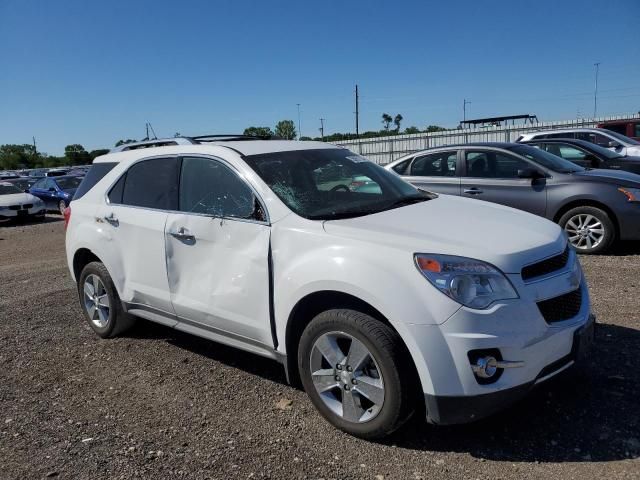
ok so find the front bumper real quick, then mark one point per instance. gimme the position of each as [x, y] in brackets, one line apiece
[35, 211]
[451, 410]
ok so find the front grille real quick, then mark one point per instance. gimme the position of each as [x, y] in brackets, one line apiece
[545, 267]
[561, 308]
[28, 205]
[14, 207]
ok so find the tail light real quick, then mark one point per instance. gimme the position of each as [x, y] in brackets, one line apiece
[67, 216]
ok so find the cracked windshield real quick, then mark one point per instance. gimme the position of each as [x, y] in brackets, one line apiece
[328, 184]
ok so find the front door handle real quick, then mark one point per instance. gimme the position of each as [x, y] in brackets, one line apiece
[111, 218]
[182, 234]
[472, 191]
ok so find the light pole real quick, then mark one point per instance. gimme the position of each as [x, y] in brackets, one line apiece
[595, 91]
[464, 109]
[322, 128]
[299, 129]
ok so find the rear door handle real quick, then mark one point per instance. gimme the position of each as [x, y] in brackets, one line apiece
[182, 234]
[472, 191]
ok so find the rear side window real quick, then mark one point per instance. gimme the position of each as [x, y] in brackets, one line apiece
[95, 174]
[152, 184]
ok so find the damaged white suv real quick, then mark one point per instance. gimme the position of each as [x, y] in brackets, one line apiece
[376, 299]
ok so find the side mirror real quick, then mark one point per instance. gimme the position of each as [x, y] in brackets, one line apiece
[613, 144]
[52, 189]
[530, 173]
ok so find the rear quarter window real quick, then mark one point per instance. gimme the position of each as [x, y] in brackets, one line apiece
[95, 174]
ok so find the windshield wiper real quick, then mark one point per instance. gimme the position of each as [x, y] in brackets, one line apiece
[401, 202]
[343, 214]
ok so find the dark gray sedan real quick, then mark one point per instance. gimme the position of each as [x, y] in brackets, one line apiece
[595, 207]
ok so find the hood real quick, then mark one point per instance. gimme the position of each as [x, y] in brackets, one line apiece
[17, 198]
[618, 177]
[503, 236]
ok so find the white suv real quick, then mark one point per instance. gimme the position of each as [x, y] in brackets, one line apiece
[625, 146]
[371, 299]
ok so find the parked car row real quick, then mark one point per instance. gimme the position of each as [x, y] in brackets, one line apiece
[38, 193]
[591, 191]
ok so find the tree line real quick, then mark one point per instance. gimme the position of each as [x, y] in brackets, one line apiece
[18, 156]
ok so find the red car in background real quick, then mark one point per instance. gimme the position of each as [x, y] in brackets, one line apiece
[630, 128]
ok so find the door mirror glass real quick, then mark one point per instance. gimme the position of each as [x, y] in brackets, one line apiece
[613, 144]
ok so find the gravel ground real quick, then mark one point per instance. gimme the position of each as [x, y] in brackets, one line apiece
[161, 404]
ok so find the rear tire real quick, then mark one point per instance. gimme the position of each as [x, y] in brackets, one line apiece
[590, 229]
[357, 372]
[100, 302]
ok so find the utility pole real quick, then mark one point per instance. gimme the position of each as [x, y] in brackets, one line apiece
[322, 128]
[146, 125]
[464, 109]
[595, 91]
[357, 113]
[299, 128]
[35, 149]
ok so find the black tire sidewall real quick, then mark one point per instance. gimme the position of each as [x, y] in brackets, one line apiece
[605, 220]
[98, 269]
[391, 415]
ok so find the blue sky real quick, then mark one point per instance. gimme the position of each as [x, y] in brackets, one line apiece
[93, 72]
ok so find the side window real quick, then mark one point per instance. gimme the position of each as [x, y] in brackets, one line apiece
[488, 164]
[562, 135]
[39, 184]
[401, 168]
[115, 194]
[441, 164]
[211, 188]
[152, 184]
[571, 153]
[596, 138]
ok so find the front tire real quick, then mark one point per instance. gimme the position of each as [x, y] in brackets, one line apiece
[357, 372]
[590, 230]
[100, 302]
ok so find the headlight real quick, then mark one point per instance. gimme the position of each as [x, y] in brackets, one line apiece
[632, 194]
[472, 283]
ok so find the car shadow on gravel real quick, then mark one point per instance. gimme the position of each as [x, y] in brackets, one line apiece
[27, 222]
[248, 362]
[625, 248]
[589, 414]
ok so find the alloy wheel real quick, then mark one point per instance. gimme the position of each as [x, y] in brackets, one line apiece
[61, 207]
[346, 376]
[96, 301]
[585, 231]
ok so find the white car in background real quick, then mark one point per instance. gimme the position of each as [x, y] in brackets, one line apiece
[373, 300]
[622, 145]
[16, 204]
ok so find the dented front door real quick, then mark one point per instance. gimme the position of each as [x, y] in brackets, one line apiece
[219, 275]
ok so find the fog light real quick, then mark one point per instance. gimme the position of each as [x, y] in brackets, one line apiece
[486, 367]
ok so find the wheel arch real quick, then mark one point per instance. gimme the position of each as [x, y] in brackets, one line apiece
[588, 203]
[81, 258]
[314, 303]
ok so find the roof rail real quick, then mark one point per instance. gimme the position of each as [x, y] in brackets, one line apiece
[230, 137]
[158, 142]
